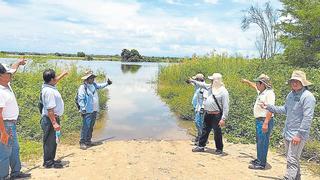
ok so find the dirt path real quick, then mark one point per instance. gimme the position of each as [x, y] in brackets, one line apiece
[160, 160]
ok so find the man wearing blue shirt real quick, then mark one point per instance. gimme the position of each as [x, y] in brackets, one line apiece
[88, 101]
[299, 109]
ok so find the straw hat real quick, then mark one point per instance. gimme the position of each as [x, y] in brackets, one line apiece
[88, 74]
[198, 76]
[300, 76]
[264, 79]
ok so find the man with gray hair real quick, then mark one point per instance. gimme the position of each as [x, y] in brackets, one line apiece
[299, 109]
[9, 112]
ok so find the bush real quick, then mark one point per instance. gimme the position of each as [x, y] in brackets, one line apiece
[27, 86]
[240, 126]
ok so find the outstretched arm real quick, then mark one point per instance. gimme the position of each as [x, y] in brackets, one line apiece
[251, 84]
[21, 61]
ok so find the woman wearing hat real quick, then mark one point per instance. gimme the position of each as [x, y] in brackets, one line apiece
[88, 101]
[216, 108]
[264, 119]
[299, 109]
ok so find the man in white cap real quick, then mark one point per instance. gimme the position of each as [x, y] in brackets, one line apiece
[216, 108]
[299, 109]
[88, 101]
[9, 112]
[197, 103]
[264, 119]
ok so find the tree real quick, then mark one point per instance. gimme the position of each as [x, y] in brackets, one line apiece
[266, 19]
[131, 56]
[81, 54]
[300, 29]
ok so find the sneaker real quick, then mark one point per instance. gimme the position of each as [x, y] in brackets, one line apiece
[255, 161]
[90, 144]
[57, 161]
[198, 149]
[54, 165]
[256, 166]
[83, 146]
[20, 175]
[219, 152]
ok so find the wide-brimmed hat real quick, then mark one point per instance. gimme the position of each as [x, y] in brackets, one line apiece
[300, 76]
[88, 74]
[198, 76]
[4, 68]
[215, 76]
[264, 79]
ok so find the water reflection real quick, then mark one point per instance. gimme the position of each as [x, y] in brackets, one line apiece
[135, 111]
[132, 68]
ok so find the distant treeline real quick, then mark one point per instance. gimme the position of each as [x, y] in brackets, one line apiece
[90, 57]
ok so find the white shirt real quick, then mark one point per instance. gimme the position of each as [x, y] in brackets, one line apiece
[267, 97]
[51, 98]
[9, 103]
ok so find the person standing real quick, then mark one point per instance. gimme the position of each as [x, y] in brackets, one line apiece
[264, 120]
[197, 102]
[88, 101]
[299, 109]
[9, 112]
[216, 108]
[53, 108]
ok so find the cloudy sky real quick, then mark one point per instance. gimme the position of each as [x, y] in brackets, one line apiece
[153, 27]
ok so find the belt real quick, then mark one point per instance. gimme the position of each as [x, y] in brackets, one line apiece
[261, 118]
[213, 112]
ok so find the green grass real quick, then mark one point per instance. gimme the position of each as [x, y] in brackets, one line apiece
[240, 127]
[27, 86]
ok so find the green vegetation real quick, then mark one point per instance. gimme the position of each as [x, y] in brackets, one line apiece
[301, 32]
[240, 126]
[27, 86]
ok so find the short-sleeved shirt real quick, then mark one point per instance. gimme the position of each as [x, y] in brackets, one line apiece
[51, 99]
[9, 103]
[267, 97]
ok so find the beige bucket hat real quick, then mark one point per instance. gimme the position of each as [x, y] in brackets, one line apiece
[198, 76]
[88, 74]
[264, 79]
[300, 76]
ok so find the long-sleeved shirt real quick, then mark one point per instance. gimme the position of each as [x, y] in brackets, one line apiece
[299, 108]
[87, 96]
[222, 97]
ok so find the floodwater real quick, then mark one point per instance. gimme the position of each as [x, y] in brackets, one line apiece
[134, 110]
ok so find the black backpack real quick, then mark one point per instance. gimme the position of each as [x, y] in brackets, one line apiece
[40, 103]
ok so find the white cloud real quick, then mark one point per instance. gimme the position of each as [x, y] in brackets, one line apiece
[211, 1]
[103, 27]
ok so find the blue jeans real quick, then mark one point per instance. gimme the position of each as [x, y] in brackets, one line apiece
[262, 140]
[88, 121]
[9, 154]
[198, 120]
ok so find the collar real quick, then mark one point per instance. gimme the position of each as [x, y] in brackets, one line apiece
[299, 92]
[49, 86]
[4, 87]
